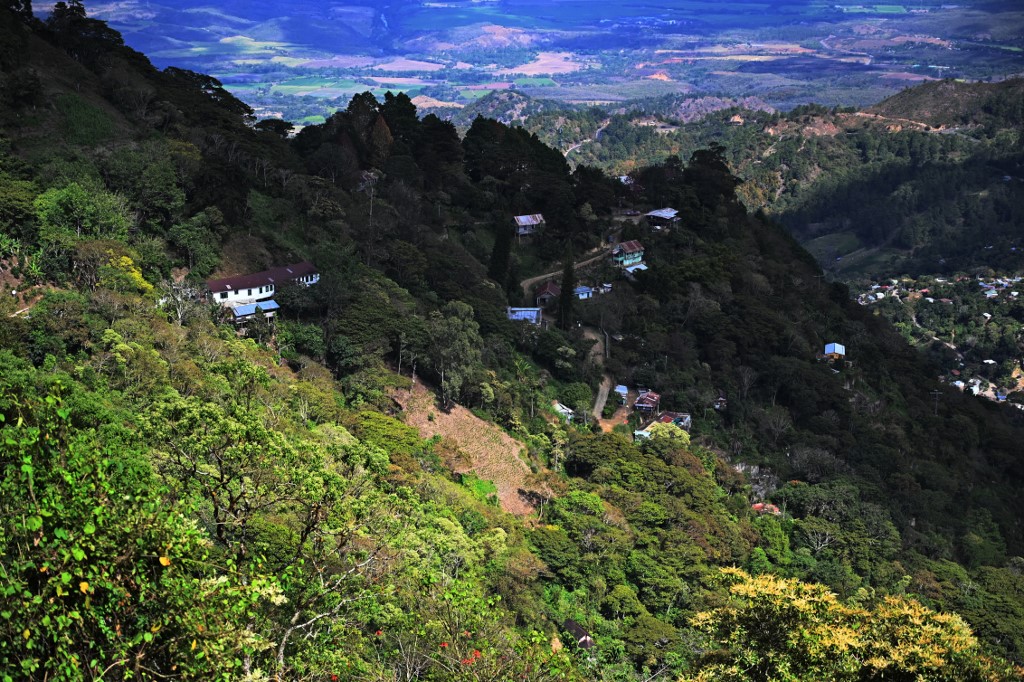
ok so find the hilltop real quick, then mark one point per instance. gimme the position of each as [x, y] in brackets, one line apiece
[949, 103]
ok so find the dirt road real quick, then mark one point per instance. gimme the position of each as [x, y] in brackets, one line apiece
[601, 251]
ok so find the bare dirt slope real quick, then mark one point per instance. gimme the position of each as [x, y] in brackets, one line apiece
[490, 453]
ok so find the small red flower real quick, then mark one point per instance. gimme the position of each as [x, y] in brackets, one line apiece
[379, 633]
[467, 661]
[444, 645]
[334, 678]
[476, 653]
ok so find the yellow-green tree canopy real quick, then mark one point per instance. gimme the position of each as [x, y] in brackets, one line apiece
[776, 628]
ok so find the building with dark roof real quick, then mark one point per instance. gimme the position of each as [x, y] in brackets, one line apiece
[260, 286]
[628, 253]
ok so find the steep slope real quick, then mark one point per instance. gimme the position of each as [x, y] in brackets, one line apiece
[480, 447]
[217, 500]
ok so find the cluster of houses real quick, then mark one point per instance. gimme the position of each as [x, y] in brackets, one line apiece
[629, 256]
[246, 296]
[991, 287]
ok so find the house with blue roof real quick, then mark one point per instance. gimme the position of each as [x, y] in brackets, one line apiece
[531, 315]
[583, 292]
[240, 314]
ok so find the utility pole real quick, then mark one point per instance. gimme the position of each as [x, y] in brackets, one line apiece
[935, 395]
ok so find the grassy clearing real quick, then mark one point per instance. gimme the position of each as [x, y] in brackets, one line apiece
[482, 489]
[832, 246]
[535, 82]
[84, 124]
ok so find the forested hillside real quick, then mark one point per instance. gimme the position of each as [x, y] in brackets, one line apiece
[185, 498]
[929, 181]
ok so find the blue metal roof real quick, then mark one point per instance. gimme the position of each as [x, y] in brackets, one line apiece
[250, 308]
[531, 315]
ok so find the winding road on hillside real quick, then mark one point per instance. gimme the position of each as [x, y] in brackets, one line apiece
[597, 135]
[530, 282]
[598, 353]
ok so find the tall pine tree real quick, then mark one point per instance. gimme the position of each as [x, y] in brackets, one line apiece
[498, 267]
[568, 297]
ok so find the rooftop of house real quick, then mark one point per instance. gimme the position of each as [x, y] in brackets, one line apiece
[649, 399]
[283, 273]
[551, 288]
[664, 213]
[632, 246]
[527, 220]
[532, 315]
[250, 308]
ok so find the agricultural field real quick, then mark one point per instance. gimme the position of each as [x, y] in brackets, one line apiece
[306, 64]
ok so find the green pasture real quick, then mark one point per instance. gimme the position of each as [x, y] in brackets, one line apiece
[829, 246]
[535, 82]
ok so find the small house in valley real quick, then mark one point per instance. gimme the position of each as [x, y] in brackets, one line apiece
[531, 315]
[564, 411]
[583, 293]
[548, 292]
[628, 253]
[680, 420]
[623, 392]
[527, 225]
[648, 402]
[240, 314]
[835, 351]
[662, 218]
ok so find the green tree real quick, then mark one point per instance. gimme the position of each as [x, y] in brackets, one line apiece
[99, 573]
[68, 214]
[454, 348]
[784, 629]
[500, 254]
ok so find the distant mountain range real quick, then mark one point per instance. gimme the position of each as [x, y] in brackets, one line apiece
[303, 60]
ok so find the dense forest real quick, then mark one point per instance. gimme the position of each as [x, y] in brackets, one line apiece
[931, 177]
[183, 498]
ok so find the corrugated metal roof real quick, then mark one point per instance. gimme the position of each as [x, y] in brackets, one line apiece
[632, 246]
[250, 308]
[664, 213]
[549, 287]
[531, 315]
[531, 219]
[275, 276]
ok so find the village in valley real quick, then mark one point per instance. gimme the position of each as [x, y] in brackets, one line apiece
[971, 325]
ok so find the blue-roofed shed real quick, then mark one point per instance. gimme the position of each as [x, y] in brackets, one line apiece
[243, 312]
[531, 315]
[835, 350]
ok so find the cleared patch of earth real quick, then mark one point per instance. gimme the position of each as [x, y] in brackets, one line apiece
[487, 451]
[546, 63]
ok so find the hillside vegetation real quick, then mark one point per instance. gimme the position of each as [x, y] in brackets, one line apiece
[183, 498]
